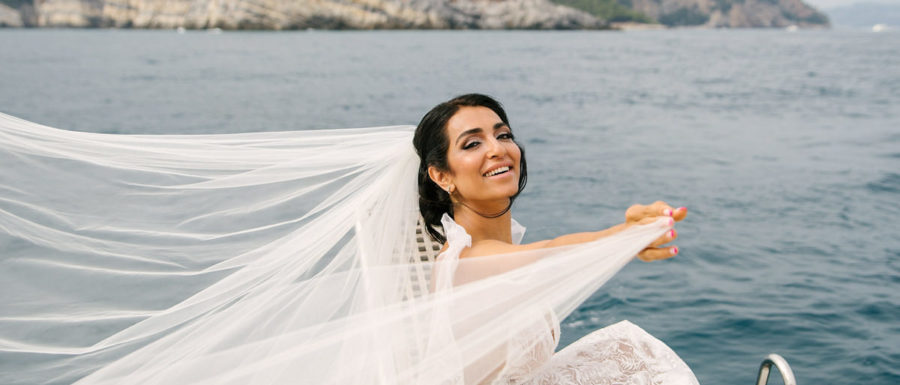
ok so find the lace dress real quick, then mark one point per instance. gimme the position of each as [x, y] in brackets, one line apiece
[618, 354]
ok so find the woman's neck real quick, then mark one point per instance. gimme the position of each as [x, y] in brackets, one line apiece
[480, 225]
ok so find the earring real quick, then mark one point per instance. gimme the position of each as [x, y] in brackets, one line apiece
[450, 189]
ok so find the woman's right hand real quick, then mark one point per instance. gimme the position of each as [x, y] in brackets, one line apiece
[640, 214]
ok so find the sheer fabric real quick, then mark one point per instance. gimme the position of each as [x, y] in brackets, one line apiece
[264, 258]
[619, 354]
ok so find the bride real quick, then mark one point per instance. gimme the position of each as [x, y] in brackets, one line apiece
[471, 171]
[289, 257]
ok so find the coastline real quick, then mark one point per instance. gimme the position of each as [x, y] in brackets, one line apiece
[275, 15]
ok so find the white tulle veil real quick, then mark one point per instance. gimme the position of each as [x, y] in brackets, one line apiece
[257, 258]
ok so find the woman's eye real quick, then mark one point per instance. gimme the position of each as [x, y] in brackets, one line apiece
[505, 136]
[471, 144]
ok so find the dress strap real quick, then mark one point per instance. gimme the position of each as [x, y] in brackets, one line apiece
[446, 263]
[457, 237]
[517, 231]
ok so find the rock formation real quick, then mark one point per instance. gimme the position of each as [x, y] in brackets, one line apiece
[731, 13]
[393, 14]
[302, 14]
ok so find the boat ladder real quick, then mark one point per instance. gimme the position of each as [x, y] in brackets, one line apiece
[773, 359]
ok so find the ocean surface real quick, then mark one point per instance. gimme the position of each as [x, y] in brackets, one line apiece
[785, 147]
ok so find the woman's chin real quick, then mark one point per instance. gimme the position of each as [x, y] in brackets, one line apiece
[502, 194]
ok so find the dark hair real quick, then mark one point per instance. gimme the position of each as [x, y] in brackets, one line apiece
[431, 144]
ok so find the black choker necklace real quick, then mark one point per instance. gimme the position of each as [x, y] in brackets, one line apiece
[489, 216]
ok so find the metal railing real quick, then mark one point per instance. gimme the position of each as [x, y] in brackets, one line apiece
[773, 359]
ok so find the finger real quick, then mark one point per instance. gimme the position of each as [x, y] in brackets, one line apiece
[660, 208]
[649, 220]
[680, 213]
[669, 236]
[637, 212]
[634, 213]
[654, 254]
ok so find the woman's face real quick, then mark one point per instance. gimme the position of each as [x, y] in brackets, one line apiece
[482, 156]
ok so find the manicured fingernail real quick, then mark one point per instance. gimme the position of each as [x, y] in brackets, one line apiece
[674, 250]
[671, 233]
[671, 222]
[682, 208]
[667, 212]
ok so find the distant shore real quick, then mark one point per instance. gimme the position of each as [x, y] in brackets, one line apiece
[408, 14]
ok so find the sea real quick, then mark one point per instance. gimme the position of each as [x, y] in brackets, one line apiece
[784, 147]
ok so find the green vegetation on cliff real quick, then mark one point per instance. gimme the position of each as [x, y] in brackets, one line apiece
[708, 13]
[609, 10]
[685, 17]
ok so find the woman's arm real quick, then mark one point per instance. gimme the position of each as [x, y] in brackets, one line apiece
[635, 215]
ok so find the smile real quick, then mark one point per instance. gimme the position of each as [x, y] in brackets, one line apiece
[497, 171]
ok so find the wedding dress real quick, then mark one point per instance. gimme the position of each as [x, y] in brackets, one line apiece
[269, 258]
[618, 354]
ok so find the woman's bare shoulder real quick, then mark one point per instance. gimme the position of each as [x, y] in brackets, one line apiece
[494, 247]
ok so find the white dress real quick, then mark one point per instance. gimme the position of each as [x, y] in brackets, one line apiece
[622, 353]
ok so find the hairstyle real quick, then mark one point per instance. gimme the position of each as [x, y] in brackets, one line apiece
[431, 143]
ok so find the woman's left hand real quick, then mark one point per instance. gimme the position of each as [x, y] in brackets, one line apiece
[639, 214]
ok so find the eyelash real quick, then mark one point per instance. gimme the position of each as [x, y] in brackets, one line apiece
[475, 143]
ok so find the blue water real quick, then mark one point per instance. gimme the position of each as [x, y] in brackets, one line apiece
[784, 146]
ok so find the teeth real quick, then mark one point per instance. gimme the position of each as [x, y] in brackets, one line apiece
[498, 171]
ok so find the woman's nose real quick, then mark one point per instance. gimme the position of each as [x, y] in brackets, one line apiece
[495, 148]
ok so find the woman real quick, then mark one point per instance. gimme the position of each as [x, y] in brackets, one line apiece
[286, 257]
[471, 171]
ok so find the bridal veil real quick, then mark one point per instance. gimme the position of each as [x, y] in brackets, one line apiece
[263, 258]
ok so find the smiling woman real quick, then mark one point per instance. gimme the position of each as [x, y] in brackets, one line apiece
[471, 171]
[272, 258]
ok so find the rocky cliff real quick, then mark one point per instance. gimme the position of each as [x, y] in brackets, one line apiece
[402, 14]
[297, 14]
[730, 13]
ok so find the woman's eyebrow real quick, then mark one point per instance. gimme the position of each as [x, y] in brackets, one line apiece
[477, 130]
[467, 132]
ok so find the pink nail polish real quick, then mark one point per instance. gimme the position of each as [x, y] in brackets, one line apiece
[671, 222]
[671, 233]
[667, 212]
[682, 208]
[674, 250]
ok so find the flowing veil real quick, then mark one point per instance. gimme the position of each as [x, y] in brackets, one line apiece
[263, 258]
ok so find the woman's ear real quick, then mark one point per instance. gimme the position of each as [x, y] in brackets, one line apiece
[441, 178]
